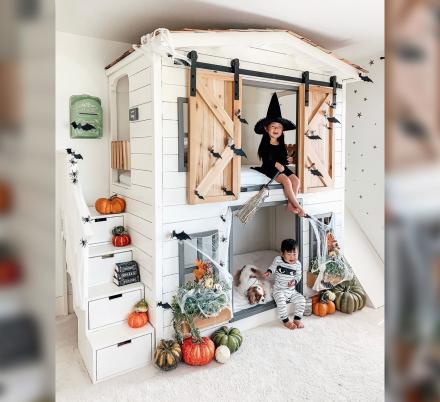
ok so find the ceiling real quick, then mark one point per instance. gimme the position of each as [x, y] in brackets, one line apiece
[353, 29]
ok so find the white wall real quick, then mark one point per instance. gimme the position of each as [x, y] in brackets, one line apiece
[364, 152]
[80, 63]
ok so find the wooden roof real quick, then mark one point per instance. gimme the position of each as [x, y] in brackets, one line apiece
[301, 37]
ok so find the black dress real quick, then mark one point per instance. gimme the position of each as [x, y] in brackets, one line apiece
[275, 153]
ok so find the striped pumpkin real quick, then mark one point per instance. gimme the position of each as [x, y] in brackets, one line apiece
[168, 355]
[349, 298]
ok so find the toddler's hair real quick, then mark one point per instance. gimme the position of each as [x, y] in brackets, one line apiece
[289, 245]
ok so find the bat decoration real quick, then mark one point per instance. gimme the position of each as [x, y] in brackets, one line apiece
[314, 171]
[85, 127]
[333, 119]
[242, 119]
[227, 192]
[222, 264]
[165, 306]
[332, 105]
[312, 135]
[83, 242]
[180, 236]
[86, 219]
[199, 195]
[223, 239]
[215, 154]
[238, 151]
[74, 177]
[70, 151]
[365, 78]
[223, 218]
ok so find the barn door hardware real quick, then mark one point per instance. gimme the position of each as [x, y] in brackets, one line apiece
[333, 84]
[235, 65]
[306, 82]
[193, 57]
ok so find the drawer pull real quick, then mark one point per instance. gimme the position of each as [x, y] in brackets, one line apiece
[107, 256]
[115, 296]
[124, 343]
[100, 219]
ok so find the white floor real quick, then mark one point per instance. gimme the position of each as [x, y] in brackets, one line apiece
[336, 358]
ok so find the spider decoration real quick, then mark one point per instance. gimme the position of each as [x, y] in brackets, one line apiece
[83, 242]
[86, 219]
[73, 161]
[224, 239]
[74, 177]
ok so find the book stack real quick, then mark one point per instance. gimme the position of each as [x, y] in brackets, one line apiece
[126, 273]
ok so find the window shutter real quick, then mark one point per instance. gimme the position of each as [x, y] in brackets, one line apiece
[315, 140]
[213, 168]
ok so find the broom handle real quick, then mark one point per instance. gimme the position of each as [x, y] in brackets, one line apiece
[272, 179]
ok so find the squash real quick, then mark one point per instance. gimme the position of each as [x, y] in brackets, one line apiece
[141, 306]
[112, 205]
[231, 338]
[198, 353]
[331, 308]
[321, 309]
[118, 230]
[121, 240]
[222, 354]
[349, 298]
[168, 355]
[137, 320]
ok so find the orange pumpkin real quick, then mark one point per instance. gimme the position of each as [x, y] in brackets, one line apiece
[198, 353]
[331, 308]
[121, 240]
[137, 320]
[320, 309]
[112, 205]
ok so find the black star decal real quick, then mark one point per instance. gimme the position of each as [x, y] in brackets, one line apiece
[354, 142]
[360, 196]
[359, 114]
[352, 126]
[374, 146]
[355, 91]
[371, 62]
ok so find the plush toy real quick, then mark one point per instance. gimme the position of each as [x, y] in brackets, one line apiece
[222, 354]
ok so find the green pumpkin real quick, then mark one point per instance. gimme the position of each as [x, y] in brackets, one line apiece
[231, 338]
[141, 306]
[118, 230]
[168, 355]
[349, 298]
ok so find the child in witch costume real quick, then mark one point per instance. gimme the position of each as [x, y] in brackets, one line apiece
[273, 153]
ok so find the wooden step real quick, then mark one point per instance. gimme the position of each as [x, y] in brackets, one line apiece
[107, 248]
[95, 214]
[110, 289]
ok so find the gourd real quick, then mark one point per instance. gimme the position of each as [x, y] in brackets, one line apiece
[141, 306]
[222, 354]
[198, 352]
[349, 298]
[112, 205]
[118, 230]
[168, 355]
[322, 308]
[137, 320]
[121, 240]
[231, 338]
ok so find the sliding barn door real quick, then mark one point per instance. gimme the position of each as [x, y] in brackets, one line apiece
[213, 168]
[315, 140]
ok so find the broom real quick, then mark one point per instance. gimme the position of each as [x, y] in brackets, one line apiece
[248, 210]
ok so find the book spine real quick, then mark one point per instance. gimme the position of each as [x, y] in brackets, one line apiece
[127, 281]
[128, 274]
[125, 267]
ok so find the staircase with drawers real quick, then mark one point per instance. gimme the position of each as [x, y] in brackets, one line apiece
[108, 346]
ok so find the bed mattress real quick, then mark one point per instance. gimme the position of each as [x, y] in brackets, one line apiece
[252, 177]
[262, 260]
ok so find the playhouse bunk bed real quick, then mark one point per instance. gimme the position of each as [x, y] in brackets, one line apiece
[176, 124]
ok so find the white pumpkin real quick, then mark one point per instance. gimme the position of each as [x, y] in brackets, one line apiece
[222, 354]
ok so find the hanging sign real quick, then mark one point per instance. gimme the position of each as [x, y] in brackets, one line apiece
[85, 116]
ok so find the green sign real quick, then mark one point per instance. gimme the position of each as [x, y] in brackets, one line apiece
[85, 116]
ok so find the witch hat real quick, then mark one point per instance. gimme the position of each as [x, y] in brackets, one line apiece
[273, 115]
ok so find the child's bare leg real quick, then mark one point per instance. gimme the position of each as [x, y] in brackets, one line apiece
[290, 194]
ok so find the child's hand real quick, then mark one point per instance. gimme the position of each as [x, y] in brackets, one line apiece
[291, 283]
[279, 167]
[266, 274]
[290, 159]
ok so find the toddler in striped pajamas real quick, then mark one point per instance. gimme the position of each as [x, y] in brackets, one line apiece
[287, 270]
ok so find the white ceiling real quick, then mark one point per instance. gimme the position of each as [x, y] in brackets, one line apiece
[352, 28]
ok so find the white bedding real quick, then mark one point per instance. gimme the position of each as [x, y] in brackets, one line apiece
[262, 260]
[125, 178]
[252, 177]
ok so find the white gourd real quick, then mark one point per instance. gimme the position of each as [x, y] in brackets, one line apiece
[222, 354]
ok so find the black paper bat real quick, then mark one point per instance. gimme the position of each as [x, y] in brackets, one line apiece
[165, 306]
[83, 242]
[365, 78]
[70, 151]
[180, 236]
[238, 151]
[227, 192]
[382, 57]
[333, 119]
[199, 195]
[86, 219]
[215, 154]
[85, 127]
[315, 172]
[312, 136]
[73, 161]
[222, 218]
[242, 119]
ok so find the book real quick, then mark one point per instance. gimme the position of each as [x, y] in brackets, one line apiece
[126, 281]
[126, 266]
[128, 274]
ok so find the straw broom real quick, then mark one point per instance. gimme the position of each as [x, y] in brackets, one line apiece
[248, 210]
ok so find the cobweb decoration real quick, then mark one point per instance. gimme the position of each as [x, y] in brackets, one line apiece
[160, 42]
[332, 268]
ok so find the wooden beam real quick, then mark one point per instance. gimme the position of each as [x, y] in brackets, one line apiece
[315, 113]
[314, 158]
[300, 138]
[217, 109]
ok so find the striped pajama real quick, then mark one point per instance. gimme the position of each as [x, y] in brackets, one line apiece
[283, 296]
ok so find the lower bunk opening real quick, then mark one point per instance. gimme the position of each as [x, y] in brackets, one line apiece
[257, 243]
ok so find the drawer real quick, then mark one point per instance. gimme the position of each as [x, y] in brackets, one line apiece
[102, 228]
[101, 268]
[124, 356]
[112, 309]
